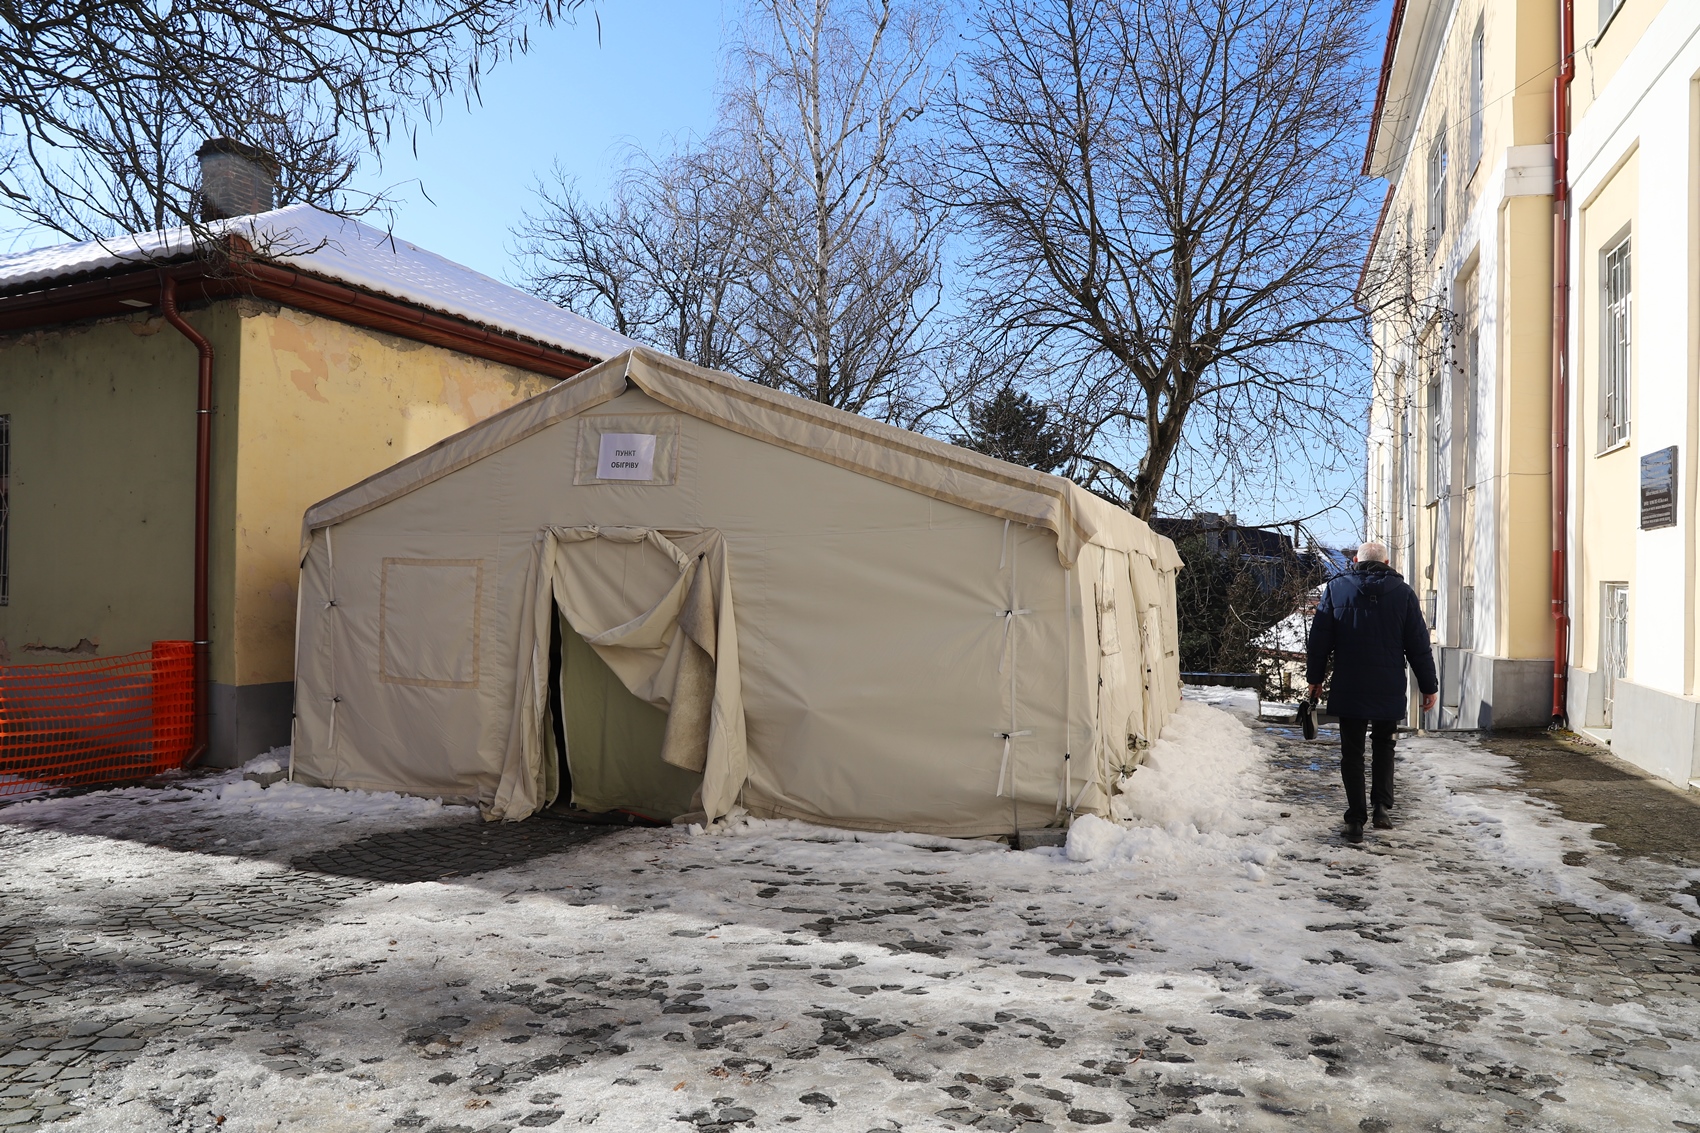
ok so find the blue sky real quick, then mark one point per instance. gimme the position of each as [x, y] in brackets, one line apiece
[573, 98]
[582, 97]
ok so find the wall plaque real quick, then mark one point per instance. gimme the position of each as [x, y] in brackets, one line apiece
[1658, 489]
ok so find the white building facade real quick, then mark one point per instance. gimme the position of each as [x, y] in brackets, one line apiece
[1634, 412]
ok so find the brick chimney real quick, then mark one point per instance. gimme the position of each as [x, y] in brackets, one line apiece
[236, 179]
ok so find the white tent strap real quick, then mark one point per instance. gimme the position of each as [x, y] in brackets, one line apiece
[1008, 738]
[333, 611]
[331, 743]
[1075, 805]
[1008, 617]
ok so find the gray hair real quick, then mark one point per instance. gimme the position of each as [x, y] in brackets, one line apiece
[1372, 552]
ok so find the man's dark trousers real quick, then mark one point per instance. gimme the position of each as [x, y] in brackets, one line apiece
[1352, 766]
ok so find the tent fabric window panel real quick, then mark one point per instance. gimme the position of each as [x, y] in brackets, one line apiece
[429, 615]
[663, 428]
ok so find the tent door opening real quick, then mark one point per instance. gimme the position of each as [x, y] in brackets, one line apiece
[609, 740]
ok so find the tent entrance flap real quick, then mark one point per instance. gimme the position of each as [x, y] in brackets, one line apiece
[613, 741]
[654, 610]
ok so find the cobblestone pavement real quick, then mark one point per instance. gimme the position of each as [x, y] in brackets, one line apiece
[456, 977]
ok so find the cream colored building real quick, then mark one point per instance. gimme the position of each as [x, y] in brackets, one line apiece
[1463, 443]
[336, 351]
[1459, 287]
[1634, 170]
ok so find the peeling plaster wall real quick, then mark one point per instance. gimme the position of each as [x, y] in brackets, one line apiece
[323, 406]
[102, 481]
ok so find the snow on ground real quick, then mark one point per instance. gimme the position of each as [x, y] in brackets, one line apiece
[1214, 958]
[1225, 697]
[229, 813]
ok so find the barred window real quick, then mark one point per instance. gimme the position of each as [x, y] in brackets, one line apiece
[1616, 311]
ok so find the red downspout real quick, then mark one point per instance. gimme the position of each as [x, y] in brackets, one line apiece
[1561, 356]
[203, 508]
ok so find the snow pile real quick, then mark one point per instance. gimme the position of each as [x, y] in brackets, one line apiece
[1198, 774]
[1194, 808]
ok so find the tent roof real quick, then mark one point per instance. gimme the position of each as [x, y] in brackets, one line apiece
[336, 248]
[884, 452]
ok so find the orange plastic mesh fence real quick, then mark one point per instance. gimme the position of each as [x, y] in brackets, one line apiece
[102, 720]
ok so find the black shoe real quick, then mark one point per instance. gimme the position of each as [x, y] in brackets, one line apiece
[1382, 822]
[1355, 833]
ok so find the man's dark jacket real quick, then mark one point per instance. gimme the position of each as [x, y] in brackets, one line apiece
[1370, 624]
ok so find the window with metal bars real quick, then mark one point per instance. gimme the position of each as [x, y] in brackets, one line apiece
[1616, 312]
[5, 509]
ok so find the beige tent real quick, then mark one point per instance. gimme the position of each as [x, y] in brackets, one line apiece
[762, 602]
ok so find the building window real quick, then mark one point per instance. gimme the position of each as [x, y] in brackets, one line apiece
[1608, 9]
[1436, 465]
[1472, 408]
[1614, 643]
[1467, 618]
[1616, 312]
[5, 509]
[1437, 190]
[1476, 92]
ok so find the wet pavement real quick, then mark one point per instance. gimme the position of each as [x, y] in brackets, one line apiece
[853, 998]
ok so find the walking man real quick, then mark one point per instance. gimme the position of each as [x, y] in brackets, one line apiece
[1369, 625]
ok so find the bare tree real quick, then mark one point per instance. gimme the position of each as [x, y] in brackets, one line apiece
[663, 262]
[845, 258]
[1167, 217]
[102, 102]
[791, 247]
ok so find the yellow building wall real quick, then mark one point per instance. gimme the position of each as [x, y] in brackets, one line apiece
[1519, 48]
[1524, 469]
[323, 406]
[102, 486]
[1602, 52]
[1608, 487]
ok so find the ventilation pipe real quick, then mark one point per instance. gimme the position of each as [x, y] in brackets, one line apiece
[1561, 357]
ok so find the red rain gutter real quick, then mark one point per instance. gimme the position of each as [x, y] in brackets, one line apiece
[203, 508]
[1393, 27]
[1561, 358]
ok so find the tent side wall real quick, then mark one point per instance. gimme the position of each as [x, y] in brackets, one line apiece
[880, 659]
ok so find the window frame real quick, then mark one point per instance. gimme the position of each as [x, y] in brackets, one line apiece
[1617, 342]
[1478, 78]
[1437, 177]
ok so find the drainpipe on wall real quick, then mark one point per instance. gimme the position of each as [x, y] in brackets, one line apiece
[203, 486]
[1561, 357]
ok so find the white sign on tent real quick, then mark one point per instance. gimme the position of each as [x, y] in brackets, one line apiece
[626, 456]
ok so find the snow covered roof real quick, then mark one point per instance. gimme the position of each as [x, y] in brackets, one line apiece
[346, 251]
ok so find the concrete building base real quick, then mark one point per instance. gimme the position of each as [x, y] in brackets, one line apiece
[249, 720]
[1657, 731]
[1478, 692]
